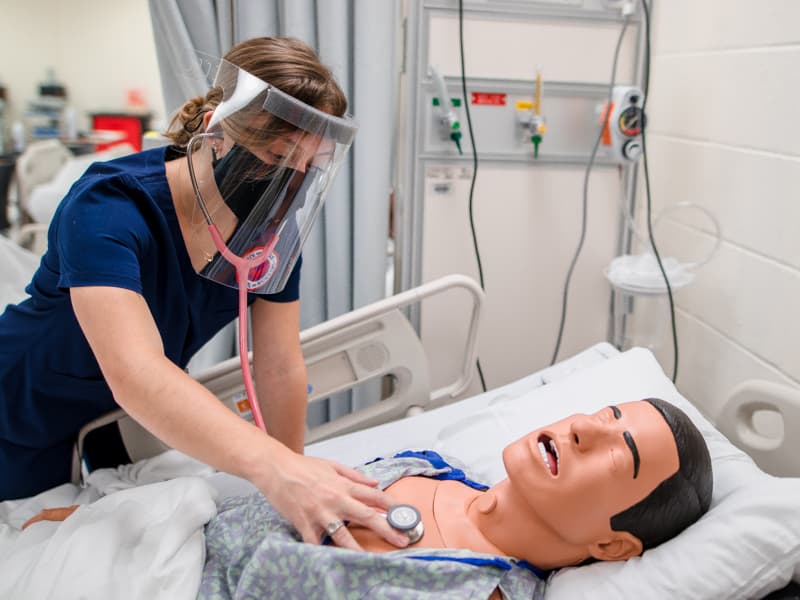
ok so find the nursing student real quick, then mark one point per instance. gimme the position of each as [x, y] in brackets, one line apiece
[151, 254]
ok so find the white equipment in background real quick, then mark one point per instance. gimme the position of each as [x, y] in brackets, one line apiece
[17, 267]
[38, 164]
[45, 171]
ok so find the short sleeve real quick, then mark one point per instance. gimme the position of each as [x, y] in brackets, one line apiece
[291, 291]
[100, 236]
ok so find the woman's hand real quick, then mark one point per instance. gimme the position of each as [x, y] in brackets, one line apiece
[313, 493]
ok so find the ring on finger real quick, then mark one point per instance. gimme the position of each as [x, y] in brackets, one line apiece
[333, 527]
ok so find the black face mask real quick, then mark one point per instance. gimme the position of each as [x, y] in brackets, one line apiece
[242, 196]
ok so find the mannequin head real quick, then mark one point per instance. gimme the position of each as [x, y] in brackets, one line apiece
[682, 498]
[605, 486]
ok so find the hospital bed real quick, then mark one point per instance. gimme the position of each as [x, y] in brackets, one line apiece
[44, 173]
[746, 546]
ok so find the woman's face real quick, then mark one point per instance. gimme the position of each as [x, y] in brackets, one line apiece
[292, 148]
[297, 150]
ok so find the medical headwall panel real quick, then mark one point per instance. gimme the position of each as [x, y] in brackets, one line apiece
[527, 220]
[570, 50]
[571, 111]
[526, 206]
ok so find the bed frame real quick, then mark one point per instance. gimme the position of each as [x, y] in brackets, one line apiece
[368, 344]
[378, 341]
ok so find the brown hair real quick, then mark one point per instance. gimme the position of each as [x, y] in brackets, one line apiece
[286, 63]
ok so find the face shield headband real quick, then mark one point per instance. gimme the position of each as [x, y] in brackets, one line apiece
[260, 174]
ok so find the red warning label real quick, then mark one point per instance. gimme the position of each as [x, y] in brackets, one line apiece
[488, 98]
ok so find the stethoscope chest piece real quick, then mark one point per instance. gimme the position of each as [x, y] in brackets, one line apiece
[407, 519]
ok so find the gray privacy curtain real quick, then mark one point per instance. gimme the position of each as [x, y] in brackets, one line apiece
[344, 260]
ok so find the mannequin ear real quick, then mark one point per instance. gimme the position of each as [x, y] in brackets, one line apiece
[621, 546]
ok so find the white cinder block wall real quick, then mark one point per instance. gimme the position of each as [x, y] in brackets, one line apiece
[725, 133]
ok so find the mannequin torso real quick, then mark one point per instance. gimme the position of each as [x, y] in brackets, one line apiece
[444, 507]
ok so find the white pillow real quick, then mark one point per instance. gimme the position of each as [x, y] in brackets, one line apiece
[747, 545]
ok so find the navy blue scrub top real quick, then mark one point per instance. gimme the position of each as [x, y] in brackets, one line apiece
[116, 227]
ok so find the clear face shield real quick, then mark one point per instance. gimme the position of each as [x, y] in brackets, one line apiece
[260, 174]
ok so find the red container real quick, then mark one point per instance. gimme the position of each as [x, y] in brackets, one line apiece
[133, 126]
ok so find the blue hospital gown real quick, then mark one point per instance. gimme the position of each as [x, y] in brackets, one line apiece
[252, 552]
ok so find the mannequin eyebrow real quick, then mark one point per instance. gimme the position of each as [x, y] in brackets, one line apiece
[634, 451]
[628, 441]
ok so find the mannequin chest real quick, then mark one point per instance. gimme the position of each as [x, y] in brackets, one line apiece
[442, 506]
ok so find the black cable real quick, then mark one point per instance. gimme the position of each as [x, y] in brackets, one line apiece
[474, 161]
[586, 192]
[647, 189]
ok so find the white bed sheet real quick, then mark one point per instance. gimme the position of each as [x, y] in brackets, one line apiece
[138, 534]
[748, 544]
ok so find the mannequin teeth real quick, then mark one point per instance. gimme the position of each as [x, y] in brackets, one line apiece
[555, 451]
[545, 456]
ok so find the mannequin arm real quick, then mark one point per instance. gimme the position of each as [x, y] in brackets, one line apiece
[51, 514]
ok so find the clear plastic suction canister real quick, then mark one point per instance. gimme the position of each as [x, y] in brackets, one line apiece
[639, 300]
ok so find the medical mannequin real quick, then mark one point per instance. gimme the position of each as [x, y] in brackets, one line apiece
[616, 483]
[558, 511]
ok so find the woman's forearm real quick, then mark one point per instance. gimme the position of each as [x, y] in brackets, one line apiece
[186, 416]
[161, 396]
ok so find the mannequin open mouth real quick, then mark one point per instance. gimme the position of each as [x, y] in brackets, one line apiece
[549, 452]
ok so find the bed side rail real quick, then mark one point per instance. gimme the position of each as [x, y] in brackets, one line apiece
[377, 341]
[369, 343]
[774, 448]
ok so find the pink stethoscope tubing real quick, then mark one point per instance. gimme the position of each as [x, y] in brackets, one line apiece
[243, 267]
